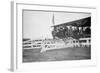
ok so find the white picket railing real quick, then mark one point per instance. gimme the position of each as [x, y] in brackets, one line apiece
[57, 44]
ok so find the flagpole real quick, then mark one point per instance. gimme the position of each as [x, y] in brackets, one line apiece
[53, 20]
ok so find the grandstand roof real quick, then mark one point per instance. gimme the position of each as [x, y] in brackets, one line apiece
[79, 23]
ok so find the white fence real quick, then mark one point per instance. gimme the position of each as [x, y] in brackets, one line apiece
[56, 44]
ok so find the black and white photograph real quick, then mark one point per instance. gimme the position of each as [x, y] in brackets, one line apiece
[55, 36]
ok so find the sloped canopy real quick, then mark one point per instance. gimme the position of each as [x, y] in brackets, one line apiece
[78, 23]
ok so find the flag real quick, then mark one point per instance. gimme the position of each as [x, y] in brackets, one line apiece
[53, 21]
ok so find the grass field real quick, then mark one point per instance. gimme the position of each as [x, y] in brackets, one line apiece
[34, 55]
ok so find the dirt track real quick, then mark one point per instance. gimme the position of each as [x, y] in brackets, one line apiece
[34, 55]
